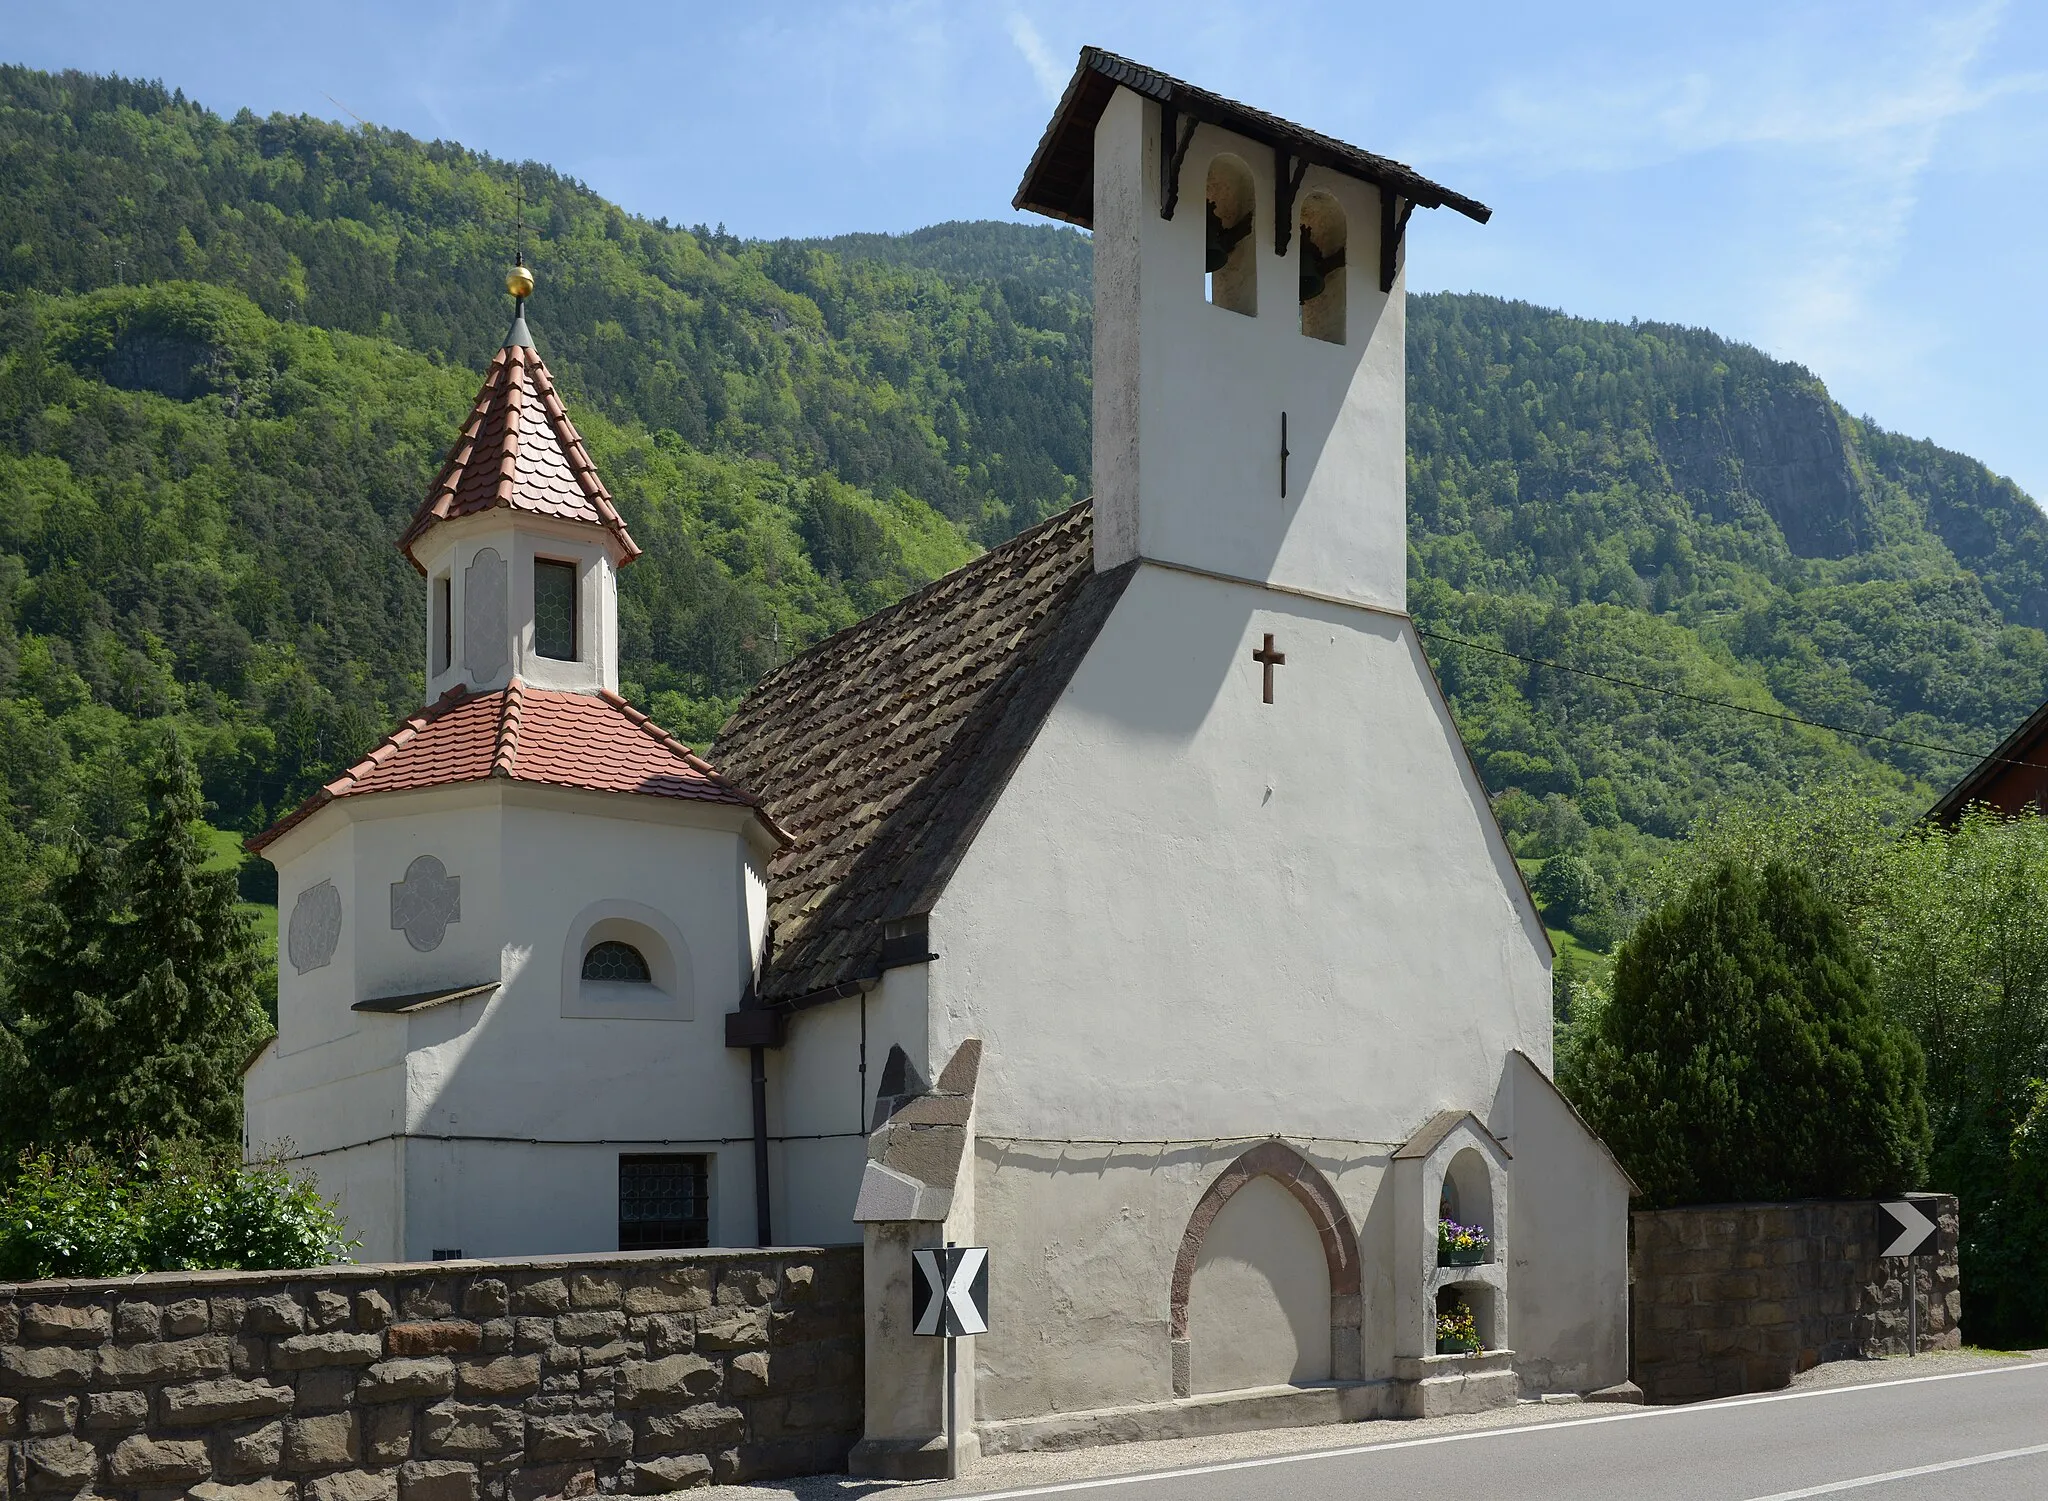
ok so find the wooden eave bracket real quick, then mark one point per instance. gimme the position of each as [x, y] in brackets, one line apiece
[1394, 212]
[1174, 136]
[1288, 171]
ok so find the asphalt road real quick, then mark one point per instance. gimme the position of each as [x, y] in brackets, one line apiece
[1977, 1434]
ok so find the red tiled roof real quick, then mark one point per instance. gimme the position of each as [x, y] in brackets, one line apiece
[594, 741]
[518, 450]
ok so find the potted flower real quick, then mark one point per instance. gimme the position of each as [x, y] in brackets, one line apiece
[1462, 1245]
[1457, 1332]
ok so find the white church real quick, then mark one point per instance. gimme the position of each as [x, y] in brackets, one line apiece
[1124, 901]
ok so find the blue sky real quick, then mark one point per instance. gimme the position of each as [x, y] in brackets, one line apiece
[1860, 187]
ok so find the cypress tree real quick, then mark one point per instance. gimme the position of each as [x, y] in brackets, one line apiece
[1744, 1055]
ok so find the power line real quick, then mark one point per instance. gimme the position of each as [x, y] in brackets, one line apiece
[1722, 703]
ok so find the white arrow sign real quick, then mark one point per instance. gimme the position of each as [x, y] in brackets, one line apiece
[1914, 1228]
[949, 1291]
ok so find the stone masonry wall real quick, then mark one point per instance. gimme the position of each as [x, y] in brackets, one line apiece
[1738, 1298]
[451, 1381]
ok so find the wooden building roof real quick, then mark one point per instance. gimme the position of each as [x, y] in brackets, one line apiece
[2010, 778]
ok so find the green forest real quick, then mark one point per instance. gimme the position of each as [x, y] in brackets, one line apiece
[233, 350]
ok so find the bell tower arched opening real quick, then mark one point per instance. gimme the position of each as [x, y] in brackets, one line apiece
[1322, 280]
[1230, 257]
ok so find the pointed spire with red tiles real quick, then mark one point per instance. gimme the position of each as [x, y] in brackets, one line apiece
[519, 451]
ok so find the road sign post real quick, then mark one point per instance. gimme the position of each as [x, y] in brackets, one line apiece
[1904, 1232]
[949, 1298]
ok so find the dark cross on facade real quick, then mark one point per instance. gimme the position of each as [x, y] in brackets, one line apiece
[1269, 659]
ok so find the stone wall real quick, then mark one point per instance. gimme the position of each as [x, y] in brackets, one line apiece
[1737, 1298]
[450, 1381]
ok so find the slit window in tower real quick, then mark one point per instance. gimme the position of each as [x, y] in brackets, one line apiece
[444, 624]
[554, 609]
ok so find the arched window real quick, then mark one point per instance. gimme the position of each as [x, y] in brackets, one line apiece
[1231, 253]
[626, 961]
[619, 963]
[1322, 268]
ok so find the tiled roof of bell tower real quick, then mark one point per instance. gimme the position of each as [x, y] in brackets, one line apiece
[520, 451]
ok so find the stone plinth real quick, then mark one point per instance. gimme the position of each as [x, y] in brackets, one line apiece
[1433, 1386]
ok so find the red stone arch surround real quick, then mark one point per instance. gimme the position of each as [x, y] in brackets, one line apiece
[1301, 1178]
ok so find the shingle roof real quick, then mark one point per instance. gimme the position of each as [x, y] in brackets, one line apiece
[882, 749]
[518, 450]
[598, 742]
[1060, 180]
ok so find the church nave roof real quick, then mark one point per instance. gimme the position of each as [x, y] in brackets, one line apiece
[597, 742]
[882, 749]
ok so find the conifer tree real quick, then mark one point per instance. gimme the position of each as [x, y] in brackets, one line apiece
[138, 993]
[66, 963]
[1744, 1054]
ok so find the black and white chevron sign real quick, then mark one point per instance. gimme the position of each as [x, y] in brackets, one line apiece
[949, 1291]
[1903, 1229]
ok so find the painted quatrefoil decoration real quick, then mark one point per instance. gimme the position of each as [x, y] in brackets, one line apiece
[425, 902]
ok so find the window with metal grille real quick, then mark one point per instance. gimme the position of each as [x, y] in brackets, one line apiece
[618, 962]
[664, 1202]
[554, 609]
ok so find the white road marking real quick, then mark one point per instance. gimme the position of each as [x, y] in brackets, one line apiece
[1633, 1414]
[1890, 1475]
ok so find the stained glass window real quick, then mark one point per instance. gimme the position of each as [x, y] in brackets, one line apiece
[664, 1202]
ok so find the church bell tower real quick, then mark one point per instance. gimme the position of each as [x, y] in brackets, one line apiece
[1250, 416]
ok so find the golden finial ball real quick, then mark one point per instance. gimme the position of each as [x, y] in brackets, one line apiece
[519, 281]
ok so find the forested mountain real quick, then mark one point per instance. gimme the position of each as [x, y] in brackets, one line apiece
[232, 351]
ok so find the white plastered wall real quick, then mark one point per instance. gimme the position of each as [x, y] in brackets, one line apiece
[1570, 1257]
[519, 538]
[1197, 917]
[513, 1113]
[1189, 396]
[820, 1108]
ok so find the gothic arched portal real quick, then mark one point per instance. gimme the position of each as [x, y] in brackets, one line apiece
[1305, 1183]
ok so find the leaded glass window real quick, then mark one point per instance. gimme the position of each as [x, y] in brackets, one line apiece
[664, 1202]
[620, 963]
[554, 609]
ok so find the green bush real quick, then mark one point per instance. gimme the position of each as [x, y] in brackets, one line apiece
[1743, 1055]
[1567, 888]
[83, 1215]
[2010, 1246]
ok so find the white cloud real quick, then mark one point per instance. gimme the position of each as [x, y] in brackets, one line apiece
[1051, 76]
[1830, 132]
